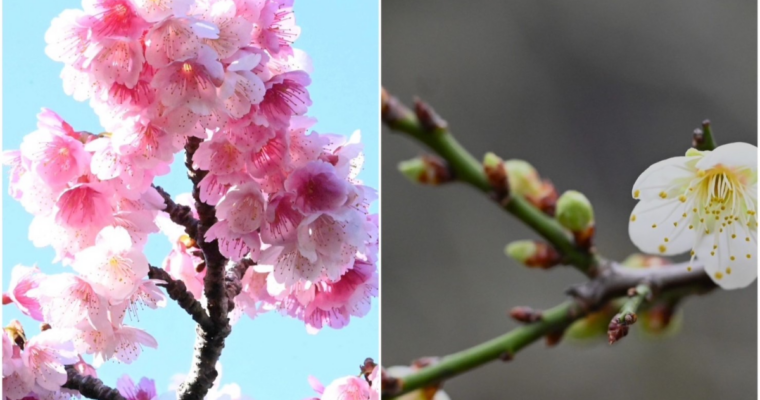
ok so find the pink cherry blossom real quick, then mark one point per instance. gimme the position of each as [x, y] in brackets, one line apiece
[242, 88]
[282, 220]
[19, 380]
[331, 240]
[286, 96]
[144, 390]
[22, 290]
[114, 19]
[46, 354]
[191, 83]
[234, 245]
[219, 156]
[276, 29]
[288, 199]
[157, 10]
[83, 206]
[147, 294]
[176, 39]
[242, 207]
[122, 343]
[317, 188]
[53, 154]
[115, 61]
[69, 36]
[69, 299]
[113, 266]
[347, 388]
[234, 31]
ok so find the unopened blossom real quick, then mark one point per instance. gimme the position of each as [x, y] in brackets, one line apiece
[705, 203]
[113, 266]
[22, 290]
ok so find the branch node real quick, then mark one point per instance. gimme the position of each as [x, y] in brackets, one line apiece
[525, 315]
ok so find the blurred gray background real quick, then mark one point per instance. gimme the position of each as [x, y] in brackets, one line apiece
[591, 93]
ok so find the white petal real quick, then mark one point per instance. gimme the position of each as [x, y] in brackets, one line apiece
[664, 176]
[733, 264]
[654, 221]
[730, 155]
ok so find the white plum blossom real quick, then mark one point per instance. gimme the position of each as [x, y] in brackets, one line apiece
[704, 202]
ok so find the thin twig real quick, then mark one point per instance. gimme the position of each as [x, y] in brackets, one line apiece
[674, 280]
[178, 292]
[179, 214]
[427, 127]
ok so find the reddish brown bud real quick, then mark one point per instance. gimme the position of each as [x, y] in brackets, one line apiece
[45, 326]
[506, 356]
[616, 329]
[496, 172]
[429, 119]
[525, 314]
[553, 338]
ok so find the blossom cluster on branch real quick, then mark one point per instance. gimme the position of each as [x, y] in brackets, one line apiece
[221, 80]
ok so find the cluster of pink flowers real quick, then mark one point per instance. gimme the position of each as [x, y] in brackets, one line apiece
[157, 73]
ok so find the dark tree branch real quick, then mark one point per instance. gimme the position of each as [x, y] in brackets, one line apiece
[209, 341]
[178, 292]
[233, 274]
[179, 214]
[89, 386]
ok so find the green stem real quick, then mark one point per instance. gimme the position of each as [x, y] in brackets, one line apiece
[468, 169]
[632, 305]
[554, 319]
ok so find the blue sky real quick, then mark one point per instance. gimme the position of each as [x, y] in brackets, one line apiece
[269, 357]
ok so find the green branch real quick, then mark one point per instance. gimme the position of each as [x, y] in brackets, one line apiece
[427, 127]
[614, 283]
[629, 309]
[504, 347]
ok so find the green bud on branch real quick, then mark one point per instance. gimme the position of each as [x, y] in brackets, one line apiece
[533, 254]
[574, 211]
[426, 170]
